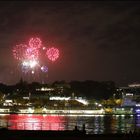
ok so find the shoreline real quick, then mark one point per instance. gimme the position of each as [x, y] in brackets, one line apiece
[69, 135]
[66, 114]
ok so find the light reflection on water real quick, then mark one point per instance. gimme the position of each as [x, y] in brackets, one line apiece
[97, 124]
[36, 122]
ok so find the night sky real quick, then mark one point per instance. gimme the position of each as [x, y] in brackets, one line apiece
[98, 41]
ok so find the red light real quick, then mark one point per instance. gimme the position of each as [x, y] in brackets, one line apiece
[36, 122]
[35, 43]
[19, 51]
[52, 53]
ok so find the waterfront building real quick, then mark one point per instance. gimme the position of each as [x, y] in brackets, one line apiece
[8, 102]
[123, 110]
[78, 99]
[4, 110]
[131, 98]
[129, 94]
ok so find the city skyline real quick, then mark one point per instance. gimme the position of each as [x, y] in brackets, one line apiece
[97, 40]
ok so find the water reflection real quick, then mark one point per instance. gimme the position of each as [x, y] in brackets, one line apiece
[137, 119]
[124, 123]
[36, 122]
[93, 124]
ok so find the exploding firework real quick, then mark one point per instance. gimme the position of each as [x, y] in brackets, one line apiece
[35, 43]
[19, 51]
[32, 53]
[44, 69]
[30, 63]
[52, 53]
[25, 68]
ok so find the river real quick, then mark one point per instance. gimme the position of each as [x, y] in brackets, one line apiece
[97, 124]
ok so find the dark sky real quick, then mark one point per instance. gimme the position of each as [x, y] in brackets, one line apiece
[97, 40]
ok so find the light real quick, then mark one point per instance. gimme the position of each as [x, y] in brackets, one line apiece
[44, 69]
[52, 53]
[99, 105]
[30, 63]
[33, 72]
[137, 104]
[32, 53]
[137, 110]
[85, 102]
[33, 63]
[25, 63]
[96, 103]
[30, 110]
[59, 98]
[35, 42]
[134, 85]
[44, 48]
[19, 51]
[44, 110]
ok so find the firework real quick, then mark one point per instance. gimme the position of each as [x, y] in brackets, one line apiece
[31, 59]
[19, 51]
[25, 67]
[35, 43]
[30, 63]
[32, 53]
[44, 69]
[33, 72]
[29, 66]
[52, 53]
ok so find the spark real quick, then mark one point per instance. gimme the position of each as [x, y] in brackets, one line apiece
[44, 69]
[19, 51]
[30, 63]
[35, 43]
[52, 53]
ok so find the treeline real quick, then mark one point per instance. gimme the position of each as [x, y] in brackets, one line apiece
[88, 89]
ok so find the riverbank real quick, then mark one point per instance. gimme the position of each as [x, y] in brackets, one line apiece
[68, 114]
[61, 135]
[116, 111]
[53, 111]
[98, 124]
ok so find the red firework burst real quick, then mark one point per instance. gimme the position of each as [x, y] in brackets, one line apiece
[19, 51]
[52, 53]
[32, 53]
[35, 43]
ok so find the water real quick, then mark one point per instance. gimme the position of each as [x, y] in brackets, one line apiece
[98, 124]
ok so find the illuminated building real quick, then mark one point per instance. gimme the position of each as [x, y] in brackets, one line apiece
[129, 94]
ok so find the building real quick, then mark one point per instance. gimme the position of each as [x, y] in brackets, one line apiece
[129, 94]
